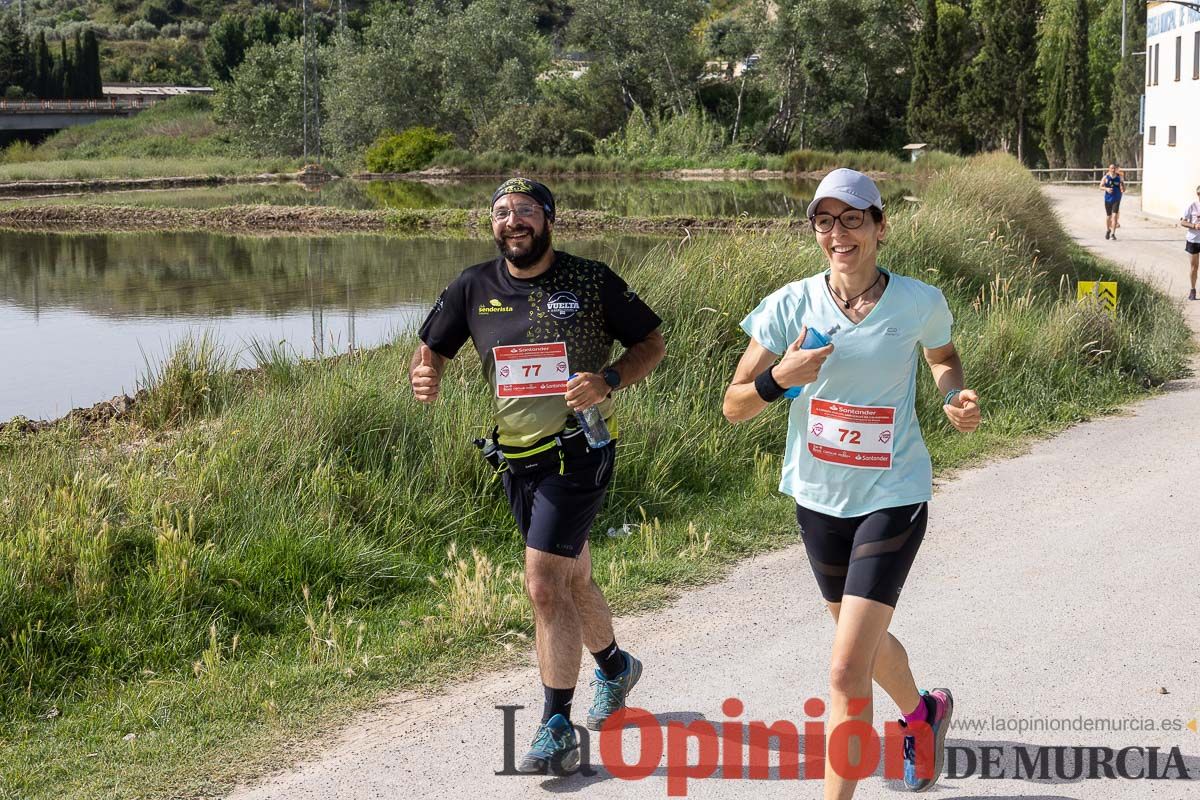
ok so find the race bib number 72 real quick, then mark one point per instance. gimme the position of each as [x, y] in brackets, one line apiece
[849, 435]
[531, 370]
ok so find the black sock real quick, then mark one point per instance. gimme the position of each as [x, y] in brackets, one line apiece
[610, 661]
[558, 701]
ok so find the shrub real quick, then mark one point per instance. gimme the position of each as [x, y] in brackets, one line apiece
[404, 152]
[143, 30]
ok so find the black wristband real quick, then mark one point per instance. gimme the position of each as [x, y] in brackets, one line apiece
[766, 386]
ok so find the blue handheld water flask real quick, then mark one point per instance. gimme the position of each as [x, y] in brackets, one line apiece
[595, 429]
[813, 340]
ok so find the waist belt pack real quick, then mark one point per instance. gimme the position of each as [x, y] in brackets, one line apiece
[545, 455]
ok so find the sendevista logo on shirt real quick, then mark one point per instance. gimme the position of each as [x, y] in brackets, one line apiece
[494, 306]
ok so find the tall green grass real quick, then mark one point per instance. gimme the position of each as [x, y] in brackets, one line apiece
[493, 163]
[122, 168]
[250, 555]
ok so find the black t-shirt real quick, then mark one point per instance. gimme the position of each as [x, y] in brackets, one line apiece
[580, 302]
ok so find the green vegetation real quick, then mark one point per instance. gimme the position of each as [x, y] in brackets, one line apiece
[499, 163]
[173, 138]
[27, 68]
[411, 150]
[254, 554]
[181, 127]
[672, 83]
[135, 168]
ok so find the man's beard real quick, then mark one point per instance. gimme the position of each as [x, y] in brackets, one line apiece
[539, 243]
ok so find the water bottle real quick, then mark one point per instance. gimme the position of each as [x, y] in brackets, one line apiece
[813, 339]
[595, 429]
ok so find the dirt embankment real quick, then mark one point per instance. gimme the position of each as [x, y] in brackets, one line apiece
[99, 415]
[65, 187]
[268, 220]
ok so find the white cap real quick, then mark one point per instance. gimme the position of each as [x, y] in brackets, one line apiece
[851, 187]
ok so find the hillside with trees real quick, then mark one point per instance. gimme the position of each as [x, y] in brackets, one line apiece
[1041, 79]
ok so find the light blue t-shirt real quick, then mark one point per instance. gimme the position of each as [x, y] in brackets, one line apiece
[874, 363]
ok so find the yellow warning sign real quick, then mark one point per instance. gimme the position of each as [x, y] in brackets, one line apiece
[1103, 291]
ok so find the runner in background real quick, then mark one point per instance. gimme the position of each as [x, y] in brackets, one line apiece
[1191, 220]
[537, 316]
[1113, 184]
[855, 461]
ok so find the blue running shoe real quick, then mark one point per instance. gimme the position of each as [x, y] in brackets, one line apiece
[611, 694]
[555, 748]
[914, 751]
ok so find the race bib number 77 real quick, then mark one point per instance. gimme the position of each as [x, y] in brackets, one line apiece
[531, 370]
[851, 436]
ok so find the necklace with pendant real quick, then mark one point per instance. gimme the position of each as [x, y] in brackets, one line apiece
[846, 301]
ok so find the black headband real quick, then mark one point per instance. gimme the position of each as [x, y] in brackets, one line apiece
[537, 191]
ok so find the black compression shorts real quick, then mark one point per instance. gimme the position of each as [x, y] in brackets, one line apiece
[867, 556]
[1112, 207]
[555, 510]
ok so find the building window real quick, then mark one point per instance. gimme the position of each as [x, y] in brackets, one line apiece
[1171, 136]
[1151, 138]
[1196, 58]
[1157, 50]
[1178, 57]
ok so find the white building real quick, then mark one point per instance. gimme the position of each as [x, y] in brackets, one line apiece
[1171, 139]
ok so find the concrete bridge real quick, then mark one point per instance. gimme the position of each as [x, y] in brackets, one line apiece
[49, 115]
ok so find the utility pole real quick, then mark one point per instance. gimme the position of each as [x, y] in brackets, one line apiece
[310, 86]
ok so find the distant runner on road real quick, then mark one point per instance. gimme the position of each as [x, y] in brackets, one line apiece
[855, 461]
[1191, 220]
[538, 316]
[1113, 184]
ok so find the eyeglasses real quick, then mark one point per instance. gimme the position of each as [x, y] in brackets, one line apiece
[522, 212]
[851, 218]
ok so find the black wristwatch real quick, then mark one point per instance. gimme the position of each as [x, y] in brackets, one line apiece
[611, 377]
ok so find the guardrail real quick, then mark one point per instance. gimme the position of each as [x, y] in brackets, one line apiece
[106, 104]
[1083, 175]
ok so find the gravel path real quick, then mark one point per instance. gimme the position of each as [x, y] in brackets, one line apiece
[1060, 584]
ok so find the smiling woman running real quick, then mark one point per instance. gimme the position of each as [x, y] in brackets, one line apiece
[855, 461]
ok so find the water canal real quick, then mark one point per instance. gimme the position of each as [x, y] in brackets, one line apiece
[85, 316]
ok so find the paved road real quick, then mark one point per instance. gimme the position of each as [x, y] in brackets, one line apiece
[1061, 584]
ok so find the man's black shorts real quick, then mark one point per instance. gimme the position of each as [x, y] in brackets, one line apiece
[1112, 207]
[1192, 247]
[555, 511]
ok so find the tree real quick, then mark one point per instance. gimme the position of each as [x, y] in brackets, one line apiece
[263, 100]
[91, 84]
[1123, 144]
[14, 60]
[1002, 91]
[43, 68]
[1063, 62]
[932, 105]
[452, 66]
[225, 47]
[1104, 53]
[823, 92]
[646, 46]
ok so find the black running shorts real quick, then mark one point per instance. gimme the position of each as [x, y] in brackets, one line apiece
[867, 556]
[555, 511]
[1192, 247]
[1112, 207]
